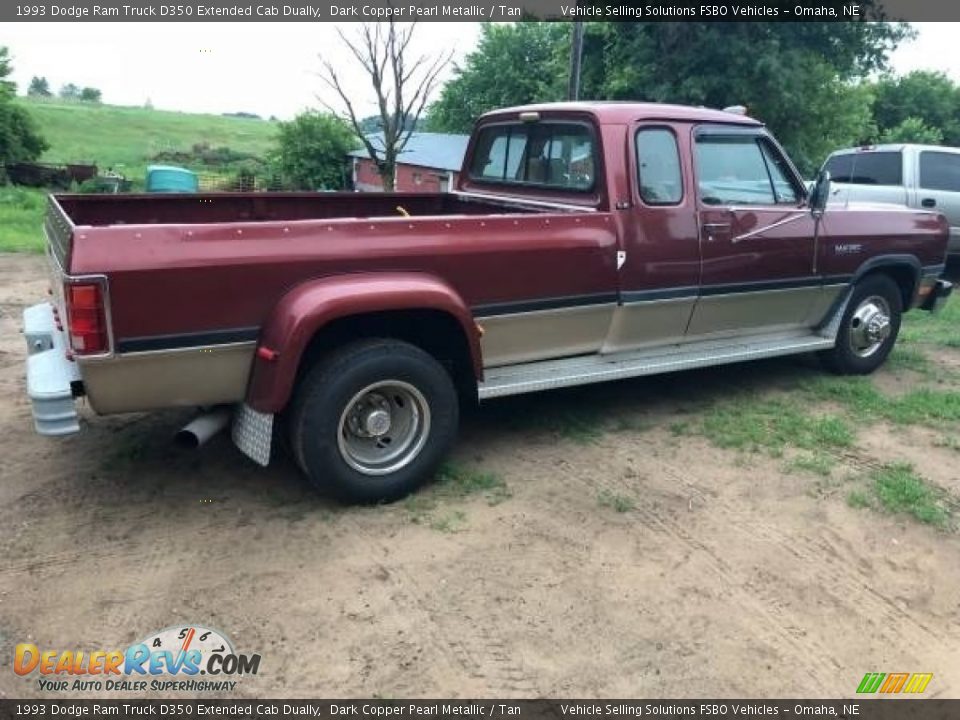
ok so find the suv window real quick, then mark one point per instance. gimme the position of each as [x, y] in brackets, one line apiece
[554, 155]
[732, 171]
[939, 171]
[658, 167]
[866, 168]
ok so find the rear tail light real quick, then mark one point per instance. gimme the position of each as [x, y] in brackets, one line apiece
[87, 318]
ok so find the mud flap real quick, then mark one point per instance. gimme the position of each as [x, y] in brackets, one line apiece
[252, 433]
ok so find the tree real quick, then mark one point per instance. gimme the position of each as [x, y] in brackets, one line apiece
[90, 94]
[402, 86]
[311, 151]
[511, 65]
[804, 80]
[912, 130]
[921, 98]
[39, 87]
[19, 139]
[69, 92]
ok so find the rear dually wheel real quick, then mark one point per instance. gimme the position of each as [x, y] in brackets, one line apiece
[372, 421]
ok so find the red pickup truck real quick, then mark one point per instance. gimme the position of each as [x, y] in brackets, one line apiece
[585, 242]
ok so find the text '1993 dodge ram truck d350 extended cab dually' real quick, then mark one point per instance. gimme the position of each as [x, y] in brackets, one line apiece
[585, 242]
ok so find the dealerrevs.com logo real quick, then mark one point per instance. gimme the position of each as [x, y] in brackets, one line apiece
[187, 658]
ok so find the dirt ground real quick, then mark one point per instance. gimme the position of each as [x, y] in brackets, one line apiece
[616, 559]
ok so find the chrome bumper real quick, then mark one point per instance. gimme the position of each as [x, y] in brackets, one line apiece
[49, 373]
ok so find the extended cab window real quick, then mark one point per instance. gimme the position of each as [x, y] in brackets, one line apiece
[940, 171]
[554, 155]
[866, 168]
[658, 167]
[732, 170]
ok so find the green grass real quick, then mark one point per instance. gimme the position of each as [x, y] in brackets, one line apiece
[940, 329]
[860, 396]
[432, 505]
[858, 499]
[950, 442]
[815, 463]
[771, 425]
[582, 425]
[21, 219]
[125, 138]
[620, 503]
[898, 489]
[908, 357]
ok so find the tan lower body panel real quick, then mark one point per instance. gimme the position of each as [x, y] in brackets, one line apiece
[649, 323]
[762, 311]
[186, 377]
[823, 303]
[544, 334]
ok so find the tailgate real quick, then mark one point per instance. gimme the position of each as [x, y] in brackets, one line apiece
[58, 229]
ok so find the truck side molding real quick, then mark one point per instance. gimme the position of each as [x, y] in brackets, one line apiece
[312, 305]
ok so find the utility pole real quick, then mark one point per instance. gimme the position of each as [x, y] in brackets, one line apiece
[576, 55]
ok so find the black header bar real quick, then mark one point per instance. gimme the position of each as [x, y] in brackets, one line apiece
[476, 10]
[242, 708]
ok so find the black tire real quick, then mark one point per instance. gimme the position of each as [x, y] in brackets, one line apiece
[845, 358]
[334, 447]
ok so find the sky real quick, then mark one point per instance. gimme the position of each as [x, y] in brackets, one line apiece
[269, 68]
[266, 68]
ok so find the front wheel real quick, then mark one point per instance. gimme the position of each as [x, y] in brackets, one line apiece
[373, 420]
[868, 329]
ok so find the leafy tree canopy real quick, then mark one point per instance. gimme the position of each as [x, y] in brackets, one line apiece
[512, 65]
[311, 151]
[39, 87]
[20, 141]
[90, 94]
[912, 130]
[802, 79]
[920, 98]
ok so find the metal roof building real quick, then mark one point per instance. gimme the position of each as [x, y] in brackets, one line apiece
[430, 162]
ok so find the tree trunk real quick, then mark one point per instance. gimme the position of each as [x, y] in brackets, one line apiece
[387, 172]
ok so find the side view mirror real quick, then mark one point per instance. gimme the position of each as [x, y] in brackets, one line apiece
[820, 193]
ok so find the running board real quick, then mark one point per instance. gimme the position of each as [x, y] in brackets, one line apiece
[584, 369]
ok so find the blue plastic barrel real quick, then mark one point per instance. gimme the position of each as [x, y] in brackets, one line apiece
[167, 178]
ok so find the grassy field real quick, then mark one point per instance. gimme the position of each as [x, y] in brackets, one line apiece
[126, 138]
[21, 219]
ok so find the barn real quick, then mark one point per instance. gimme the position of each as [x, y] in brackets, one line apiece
[430, 162]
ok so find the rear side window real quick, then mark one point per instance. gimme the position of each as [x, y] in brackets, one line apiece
[866, 168]
[940, 171]
[553, 155]
[658, 167]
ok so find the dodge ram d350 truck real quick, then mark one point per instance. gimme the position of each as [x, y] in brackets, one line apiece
[585, 242]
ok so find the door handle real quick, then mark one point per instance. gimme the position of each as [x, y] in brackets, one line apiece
[711, 228]
[928, 202]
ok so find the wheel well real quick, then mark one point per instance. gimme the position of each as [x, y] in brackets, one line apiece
[433, 331]
[905, 278]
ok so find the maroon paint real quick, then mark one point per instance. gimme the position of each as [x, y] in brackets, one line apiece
[308, 307]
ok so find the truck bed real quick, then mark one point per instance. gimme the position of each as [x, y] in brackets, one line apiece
[208, 208]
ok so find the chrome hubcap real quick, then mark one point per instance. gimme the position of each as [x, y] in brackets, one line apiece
[383, 427]
[869, 326]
